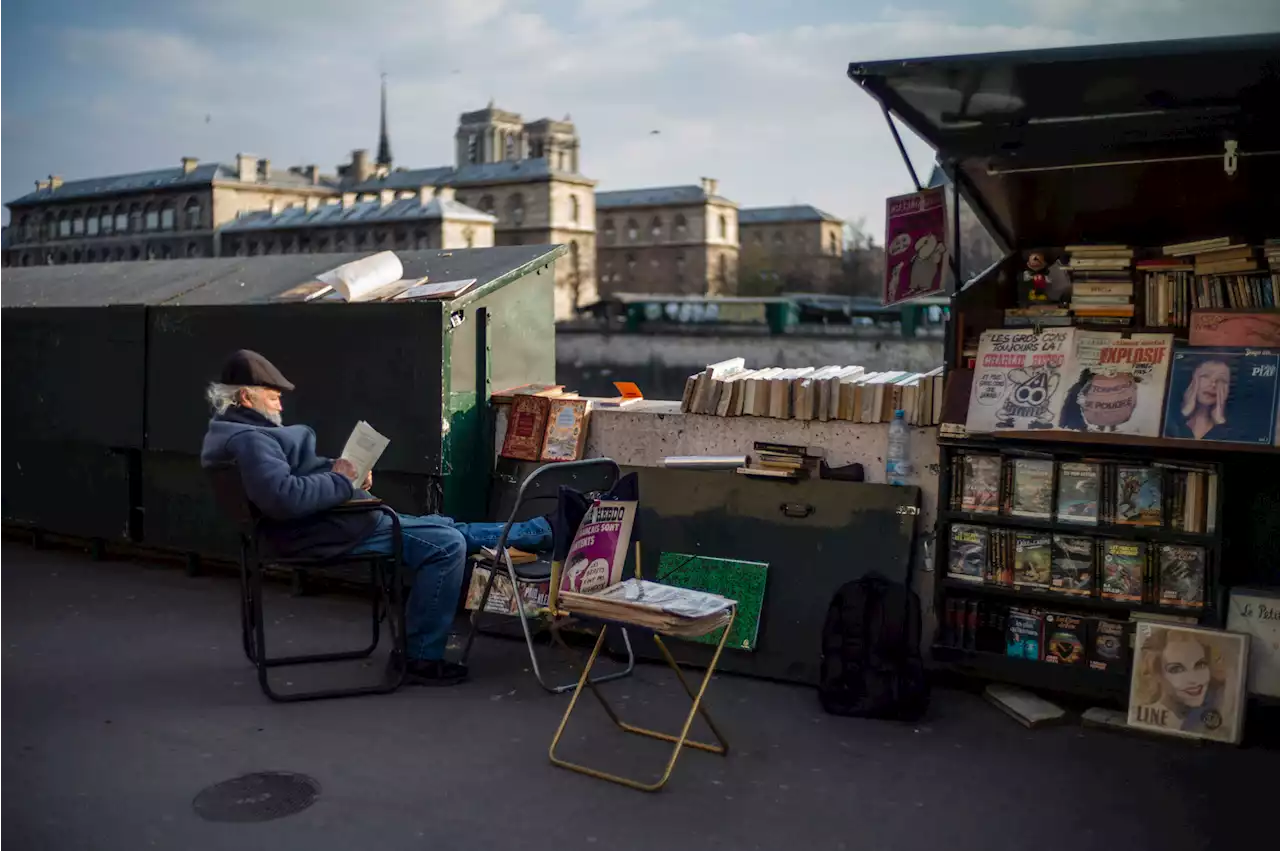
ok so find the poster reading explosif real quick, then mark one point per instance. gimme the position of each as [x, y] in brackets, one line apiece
[915, 245]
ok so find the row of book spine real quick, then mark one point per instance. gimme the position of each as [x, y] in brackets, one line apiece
[1038, 635]
[1171, 296]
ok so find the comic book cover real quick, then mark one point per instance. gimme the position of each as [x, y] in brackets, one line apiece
[981, 483]
[967, 556]
[1138, 499]
[1109, 645]
[1116, 385]
[1123, 566]
[1078, 490]
[1032, 488]
[1072, 568]
[1064, 639]
[599, 548]
[1018, 380]
[1023, 630]
[1181, 576]
[1032, 557]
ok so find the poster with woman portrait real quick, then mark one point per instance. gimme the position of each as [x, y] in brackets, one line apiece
[1188, 681]
[1223, 394]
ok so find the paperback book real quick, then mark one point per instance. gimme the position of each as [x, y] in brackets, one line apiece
[1138, 496]
[981, 483]
[1072, 569]
[1032, 488]
[1078, 489]
[1023, 631]
[967, 556]
[1109, 645]
[1123, 570]
[1032, 559]
[1181, 576]
[1064, 639]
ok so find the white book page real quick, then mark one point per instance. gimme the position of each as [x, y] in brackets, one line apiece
[362, 279]
[364, 447]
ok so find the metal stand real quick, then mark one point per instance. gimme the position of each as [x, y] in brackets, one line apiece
[681, 741]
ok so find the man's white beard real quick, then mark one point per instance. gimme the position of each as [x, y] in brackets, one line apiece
[275, 416]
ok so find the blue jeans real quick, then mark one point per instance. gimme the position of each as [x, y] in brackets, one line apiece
[434, 549]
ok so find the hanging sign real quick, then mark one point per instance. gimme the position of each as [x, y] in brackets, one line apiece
[915, 245]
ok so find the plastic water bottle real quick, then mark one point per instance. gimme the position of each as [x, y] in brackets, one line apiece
[897, 468]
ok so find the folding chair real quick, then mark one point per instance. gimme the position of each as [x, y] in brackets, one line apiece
[539, 495]
[680, 741]
[386, 591]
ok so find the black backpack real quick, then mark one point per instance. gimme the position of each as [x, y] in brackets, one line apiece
[870, 666]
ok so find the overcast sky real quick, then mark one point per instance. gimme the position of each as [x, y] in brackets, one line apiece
[751, 92]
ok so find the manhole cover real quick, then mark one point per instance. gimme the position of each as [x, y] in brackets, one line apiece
[263, 796]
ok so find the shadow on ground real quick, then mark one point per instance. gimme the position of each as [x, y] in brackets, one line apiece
[126, 692]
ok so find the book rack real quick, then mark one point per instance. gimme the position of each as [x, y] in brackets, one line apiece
[979, 649]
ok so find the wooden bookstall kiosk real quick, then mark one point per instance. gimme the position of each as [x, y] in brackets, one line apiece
[1138, 145]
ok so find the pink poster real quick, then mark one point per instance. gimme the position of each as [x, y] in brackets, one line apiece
[915, 245]
[599, 550]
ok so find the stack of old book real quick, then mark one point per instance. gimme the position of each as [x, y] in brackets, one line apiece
[1101, 284]
[784, 461]
[544, 423]
[1271, 250]
[851, 393]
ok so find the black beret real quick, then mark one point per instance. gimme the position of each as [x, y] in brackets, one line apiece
[250, 369]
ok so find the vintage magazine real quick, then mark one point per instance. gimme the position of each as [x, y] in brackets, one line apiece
[967, 556]
[526, 427]
[1019, 380]
[1123, 568]
[1072, 569]
[1032, 488]
[1032, 557]
[599, 549]
[566, 430]
[1139, 496]
[1117, 385]
[1109, 645]
[501, 600]
[1079, 484]
[1181, 576]
[1223, 394]
[1064, 639]
[981, 483]
[1188, 681]
[1023, 631]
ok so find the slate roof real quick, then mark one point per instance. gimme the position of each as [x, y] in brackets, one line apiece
[655, 197]
[366, 212]
[407, 179]
[203, 174]
[794, 213]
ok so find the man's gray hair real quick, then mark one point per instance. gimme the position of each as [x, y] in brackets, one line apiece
[223, 396]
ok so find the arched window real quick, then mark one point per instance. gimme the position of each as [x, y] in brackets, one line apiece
[135, 219]
[575, 209]
[361, 239]
[151, 252]
[779, 239]
[322, 245]
[26, 259]
[75, 256]
[122, 219]
[380, 238]
[631, 263]
[191, 214]
[253, 248]
[152, 218]
[724, 272]
[515, 209]
[655, 229]
[511, 146]
[304, 244]
[421, 239]
[117, 254]
[724, 227]
[401, 238]
[680, 266]
[77, 225]
[835, 244]
[91, 223]
[135, 252]
[168, 216]
[340, 242]
[166, 253]
[758, 237]
[62, 257]
[680, 227]
[472, 151]
[633, 230]
[64, 226]
[288, 245]
[193, 249]
[610, 235]
[486, 204]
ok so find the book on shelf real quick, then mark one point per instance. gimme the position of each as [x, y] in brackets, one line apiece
[1109, 645]
[1072, 569]
[967, 554]
[565, 436]
[526, 427]
[1065, 639]
[1184, 249]
[1181, 576]
[1139, 497]
[1079, 484]
[1032, 559]
[1124, 570]
[1024, 634]
[1032, 488]
[980, 483]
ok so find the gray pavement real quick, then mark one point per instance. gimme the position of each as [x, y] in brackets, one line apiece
[125, 692]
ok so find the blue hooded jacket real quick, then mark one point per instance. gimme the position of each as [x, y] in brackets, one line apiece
[290, 485]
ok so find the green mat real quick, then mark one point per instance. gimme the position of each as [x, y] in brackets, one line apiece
[743, 581]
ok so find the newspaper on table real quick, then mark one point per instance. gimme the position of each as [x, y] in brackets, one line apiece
[364, 447]
[681, 602]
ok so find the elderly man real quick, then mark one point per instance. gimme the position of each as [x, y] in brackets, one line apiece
[293, 488]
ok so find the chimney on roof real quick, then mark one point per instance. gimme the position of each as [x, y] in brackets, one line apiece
[42, 185]
[311, 204]
[55, 181]
[264, 170]
[189, 164]
[313, 174]
[446, 193]
[246, 168]
[348, 200]
[274, 207]
[709, 185]
[424, 194]
[386, 196]
[361, 170]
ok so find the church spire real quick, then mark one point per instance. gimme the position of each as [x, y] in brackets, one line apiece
[384, 140]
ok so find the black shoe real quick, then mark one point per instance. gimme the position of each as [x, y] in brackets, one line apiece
[430, 672]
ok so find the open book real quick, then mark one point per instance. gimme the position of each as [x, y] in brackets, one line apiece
[364, 447]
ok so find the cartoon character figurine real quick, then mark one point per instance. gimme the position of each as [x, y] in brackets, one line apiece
[1029, 398]
[1035, 279]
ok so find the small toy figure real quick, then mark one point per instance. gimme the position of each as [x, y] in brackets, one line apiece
[1035, 279]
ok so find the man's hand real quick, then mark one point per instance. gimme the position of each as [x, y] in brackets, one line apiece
[368, 481]
[346, 468]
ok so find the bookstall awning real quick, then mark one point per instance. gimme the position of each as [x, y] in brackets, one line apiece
[1114, 143]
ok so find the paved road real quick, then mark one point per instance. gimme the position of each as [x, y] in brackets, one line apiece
[126, 693]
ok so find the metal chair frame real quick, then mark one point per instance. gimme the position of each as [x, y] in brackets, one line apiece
[535, 488]
[386, 592]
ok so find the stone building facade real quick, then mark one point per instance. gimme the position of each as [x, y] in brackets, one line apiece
[677, 239]
[796, 248]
